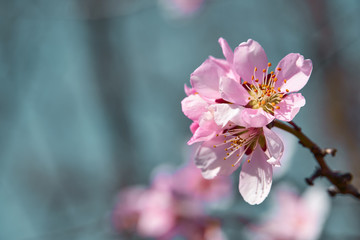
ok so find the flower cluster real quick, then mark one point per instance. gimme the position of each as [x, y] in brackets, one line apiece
[172, 207]
[231, 101]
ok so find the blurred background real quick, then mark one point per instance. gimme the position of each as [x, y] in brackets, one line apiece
[90, 101]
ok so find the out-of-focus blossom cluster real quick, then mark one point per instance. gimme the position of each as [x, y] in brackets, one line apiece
[293, 217]
[174, 205]
[231, 101]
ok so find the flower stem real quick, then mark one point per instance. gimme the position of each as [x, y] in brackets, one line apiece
[341, 181]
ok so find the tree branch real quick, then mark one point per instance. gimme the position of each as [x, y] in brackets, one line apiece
[341, 181]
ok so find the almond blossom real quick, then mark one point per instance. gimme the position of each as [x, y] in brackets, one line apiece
[245, 81]
[294, 217]
[193, 185]
[166, 210]
[223, 154]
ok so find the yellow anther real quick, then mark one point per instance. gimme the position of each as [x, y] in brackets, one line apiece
[269, 64]
[275, 79]
[272, 72]
[233, 165]
[279, 69]
[277, 107]
[256, 80]
[224, 158]
[252, 77]
[255, 69]
[245, 82]
[273, 103]
[287, 90]
[263, 102]
[264, 70]
[278, 89]
[285, 81]
[248, 160]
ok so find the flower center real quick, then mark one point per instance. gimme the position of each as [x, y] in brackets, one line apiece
[239, 141]
[264, 94]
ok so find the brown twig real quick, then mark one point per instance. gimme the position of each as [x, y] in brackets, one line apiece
[341, 181]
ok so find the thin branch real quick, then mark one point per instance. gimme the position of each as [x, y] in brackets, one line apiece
[341, 181]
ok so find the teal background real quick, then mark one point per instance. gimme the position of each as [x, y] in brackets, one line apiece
[90, 102]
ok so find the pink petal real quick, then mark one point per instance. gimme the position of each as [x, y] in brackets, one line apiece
[189, 91]
[275, 147]
[207, 129]
[194, 106]
[255, 178]
[232, 91]
[225, 113]
[295, 70]
[200, 135]
[256, 117]
[194, 126]
[228, 53]
[247, 56]
[211, 160]
[205, 79]
[289, 107]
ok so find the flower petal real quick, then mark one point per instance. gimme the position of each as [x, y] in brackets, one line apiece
[289, 107]
[295, 70]
[256, 117]
[228, 53]
[224, 113]
[207, 129]
[194, 106]
[255, 178]
[188, 90]
[211, 160]
[194, 126]
[232, 91]
[205, 79]
[275, 147]
[247, 56]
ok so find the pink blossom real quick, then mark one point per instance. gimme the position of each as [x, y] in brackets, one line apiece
[172, 206]
[222, 155]
[149, 212]
[189, 183]
[294, 217]
[181, 8]
[245, 81]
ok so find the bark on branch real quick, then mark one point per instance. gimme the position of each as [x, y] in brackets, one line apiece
[341, 181]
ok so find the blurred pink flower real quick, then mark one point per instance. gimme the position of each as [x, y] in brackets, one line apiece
[171, 207]
[222, 155]
[181, 8]
[189, 182]
[294, 217]
[255, 95]
[149, 212]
